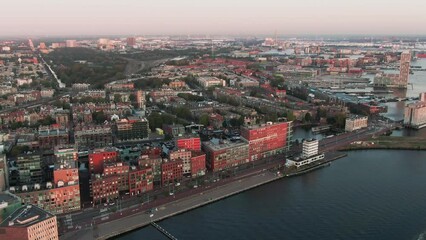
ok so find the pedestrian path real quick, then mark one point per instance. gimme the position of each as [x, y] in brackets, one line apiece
[163, 231]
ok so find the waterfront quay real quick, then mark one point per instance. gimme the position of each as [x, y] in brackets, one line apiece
[139, 216]
[389, 142]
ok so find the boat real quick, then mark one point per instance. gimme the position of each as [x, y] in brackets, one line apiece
[319, 129]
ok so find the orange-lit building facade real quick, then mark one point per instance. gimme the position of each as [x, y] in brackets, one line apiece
[141, 180]
[121, 171]
[267, 139]
[198, 164]
[171, 171]
[226, 154]
[65, 175]
[189, 143]
[183, 155]
[58, 200]
[104, 189]
[30, 223]
[99, 157]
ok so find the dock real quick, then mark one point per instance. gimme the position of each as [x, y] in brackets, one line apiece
[163, 231]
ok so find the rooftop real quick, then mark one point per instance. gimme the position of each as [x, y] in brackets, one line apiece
[417, 105]
[4, 197]
[256, 126]
[353, 117]
[216, 144]
[51, 132]
[26, 216]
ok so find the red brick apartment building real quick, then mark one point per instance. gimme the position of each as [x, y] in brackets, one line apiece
[29, 223]
[183, 155]
[171, 171]
[198, 164]
[63, 196]
[224, 154]
[141, 180]
[56, 200]
[189, 143]
[104, 189]
[99, 157]
[266, 139]
[121, 171]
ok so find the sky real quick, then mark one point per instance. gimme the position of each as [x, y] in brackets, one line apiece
[215, 17]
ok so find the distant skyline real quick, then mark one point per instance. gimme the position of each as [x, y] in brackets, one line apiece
[219, 17]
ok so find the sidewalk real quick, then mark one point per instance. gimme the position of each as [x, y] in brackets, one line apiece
[125, 224]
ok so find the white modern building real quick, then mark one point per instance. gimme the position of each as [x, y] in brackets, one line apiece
[310, 148]
[309, 154]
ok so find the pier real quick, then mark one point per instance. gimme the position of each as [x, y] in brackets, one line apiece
[163, 231]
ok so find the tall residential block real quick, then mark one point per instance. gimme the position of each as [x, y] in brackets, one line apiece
[404, 69]
[415, 115]
[267, 139]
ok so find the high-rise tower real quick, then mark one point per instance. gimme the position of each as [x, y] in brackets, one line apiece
[404, 69]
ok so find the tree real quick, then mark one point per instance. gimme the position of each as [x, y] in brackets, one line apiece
[237, 122]
[204, 120]
[99, 117]
[132, 98]
[47, 121]
[117, 98]
[224, 124]
[168, 137]
[155, 121]
[308, 117]
[16, 150]
[290, 116]
[183, 112]
[338, 120]
[321, 112]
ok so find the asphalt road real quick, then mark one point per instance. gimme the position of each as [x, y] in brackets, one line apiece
[161, 195]
[134, 205]
[136, 217]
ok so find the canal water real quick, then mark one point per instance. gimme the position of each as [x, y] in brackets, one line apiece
[418, 81]
[367, 195]
[300, 134]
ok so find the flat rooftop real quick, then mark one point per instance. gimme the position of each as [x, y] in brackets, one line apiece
[256, 126]
[417, 105]
[26, 216]
[216, 145]
[354, 117]
[52, 132]
[4, 197]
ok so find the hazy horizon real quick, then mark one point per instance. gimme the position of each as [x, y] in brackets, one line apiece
[220, 17]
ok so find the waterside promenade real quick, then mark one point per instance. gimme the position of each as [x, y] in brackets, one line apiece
[388, 142]
[137, 217]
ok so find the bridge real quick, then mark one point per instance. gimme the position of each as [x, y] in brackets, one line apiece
[163, 231]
